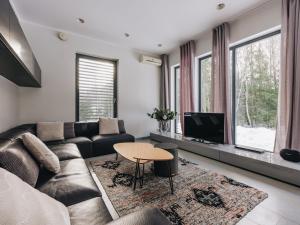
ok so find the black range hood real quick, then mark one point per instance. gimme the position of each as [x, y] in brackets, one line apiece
[17, 61]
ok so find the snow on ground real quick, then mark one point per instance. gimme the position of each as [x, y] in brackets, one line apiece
[258, 137]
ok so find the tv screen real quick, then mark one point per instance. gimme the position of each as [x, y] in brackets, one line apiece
[204, 126]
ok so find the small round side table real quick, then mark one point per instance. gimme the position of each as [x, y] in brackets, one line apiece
[161, 168]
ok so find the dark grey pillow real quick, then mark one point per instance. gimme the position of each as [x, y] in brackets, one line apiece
[15, 158]
[121, 127]
[69, 131]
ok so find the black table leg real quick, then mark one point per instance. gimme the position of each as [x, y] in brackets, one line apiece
[143, 174]
[117, 156]
[170, 177]
[140, 177]
[137, 171]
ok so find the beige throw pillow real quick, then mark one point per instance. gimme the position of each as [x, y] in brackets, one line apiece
[108, 126]
[22, 204]
[41, 152]
[50, 131]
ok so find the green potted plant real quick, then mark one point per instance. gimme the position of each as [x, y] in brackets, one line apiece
[163, 117]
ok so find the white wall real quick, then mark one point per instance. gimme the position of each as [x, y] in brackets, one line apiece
[256, 21]
[9, 104]
[138, 84]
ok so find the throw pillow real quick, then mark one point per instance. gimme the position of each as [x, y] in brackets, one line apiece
[50, 131]
[69, 131]
[108, 126]
[15, 158]
[22, 204]
[41, 152]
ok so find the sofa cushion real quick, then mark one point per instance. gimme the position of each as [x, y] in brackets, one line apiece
[22, 204]
[66, 151]
[72, 185]
[41, 152]
[91, 212]
[86, 129]
[108, 126]
[103, 144]
[113, 138]
[84, 145]
[69, 131]
[50, 131]
[15, 158]
[147, 216]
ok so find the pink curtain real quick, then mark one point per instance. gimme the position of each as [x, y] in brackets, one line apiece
[187, 61]
[165, 83]
[288, 126]
[221, 83]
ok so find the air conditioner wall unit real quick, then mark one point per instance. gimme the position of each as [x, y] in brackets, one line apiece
[150, 60]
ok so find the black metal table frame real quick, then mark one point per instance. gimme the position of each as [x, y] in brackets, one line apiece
[140, 176]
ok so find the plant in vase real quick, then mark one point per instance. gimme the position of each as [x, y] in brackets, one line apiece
[163, 117]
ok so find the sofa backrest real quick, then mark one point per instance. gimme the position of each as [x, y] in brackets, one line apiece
[18, 131]
[90, 129]
[82, 129]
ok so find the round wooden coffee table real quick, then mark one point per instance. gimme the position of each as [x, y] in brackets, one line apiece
[142, 153]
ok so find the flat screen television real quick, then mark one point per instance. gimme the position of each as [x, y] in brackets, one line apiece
[204, 127]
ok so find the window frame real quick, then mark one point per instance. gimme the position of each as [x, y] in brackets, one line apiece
[175, 96]
[115, 80]
[233, 76]
[199, 80]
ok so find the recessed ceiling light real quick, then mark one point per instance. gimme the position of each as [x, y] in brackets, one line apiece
[159, 45]
[221, 6]
[80, 20]
[126, 35]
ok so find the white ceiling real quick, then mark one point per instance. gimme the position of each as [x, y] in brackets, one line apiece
[149, 22]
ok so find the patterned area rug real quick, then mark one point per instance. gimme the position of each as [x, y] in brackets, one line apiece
[201, 197]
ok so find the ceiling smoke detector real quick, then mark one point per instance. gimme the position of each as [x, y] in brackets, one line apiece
[126, 35]
[62, 36]
[221, 6]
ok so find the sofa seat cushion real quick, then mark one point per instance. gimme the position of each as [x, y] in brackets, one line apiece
[92, 212]
[147, 216]
[72, 185]
[84, 145]
[66, 151]
[103, 144]
[15, 158]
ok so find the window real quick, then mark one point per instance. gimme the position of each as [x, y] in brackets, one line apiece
[96, 88]
[177, 99]
[256, 68]
[205, 84]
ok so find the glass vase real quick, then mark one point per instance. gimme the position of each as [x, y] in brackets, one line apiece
[163, 126]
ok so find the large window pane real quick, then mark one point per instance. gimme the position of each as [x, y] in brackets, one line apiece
[96, 94]
[257, 68]
[177, 100]
[205, 84]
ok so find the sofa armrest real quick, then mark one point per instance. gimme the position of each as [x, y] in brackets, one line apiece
[148, 216]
